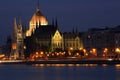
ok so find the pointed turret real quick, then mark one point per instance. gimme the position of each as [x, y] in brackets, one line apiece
[15, 23]
[53, 22]
[38, 6]
[56, 23]
[20, 25]
[15, 30]
[73, 31]
[76, 30]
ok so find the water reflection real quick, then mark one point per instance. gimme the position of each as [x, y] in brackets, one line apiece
[63, 65]
[117, 66]
[77, 65]
[60, 72]
[104, 65]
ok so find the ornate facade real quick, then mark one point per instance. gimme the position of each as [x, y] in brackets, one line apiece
[17, 42]
[42, 37]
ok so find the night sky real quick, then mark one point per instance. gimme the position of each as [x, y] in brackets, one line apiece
[81, 14]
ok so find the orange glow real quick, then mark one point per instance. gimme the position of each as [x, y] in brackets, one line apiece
[81, 48]
[77, 54]
[117, 65]
[36, 53]
[52, 54]
[86, 54]
[84, 50]
[105, 50]
[117, 50]
[48, 55]
[2, 55]
[38, 19]
[94, 50]
[57, 54]
[14, 46]
[41, 53]
[71, 48]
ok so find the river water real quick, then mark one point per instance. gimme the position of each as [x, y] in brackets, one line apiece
[59, 72]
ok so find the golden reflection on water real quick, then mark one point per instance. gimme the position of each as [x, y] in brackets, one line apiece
[63, 65]
[117, 66]
[104, 65]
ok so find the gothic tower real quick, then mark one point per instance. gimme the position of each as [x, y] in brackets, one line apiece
[17, 41]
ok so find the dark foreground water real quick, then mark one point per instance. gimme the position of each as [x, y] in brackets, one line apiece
[59, 72]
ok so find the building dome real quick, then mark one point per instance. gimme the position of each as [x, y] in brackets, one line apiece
[39, 18]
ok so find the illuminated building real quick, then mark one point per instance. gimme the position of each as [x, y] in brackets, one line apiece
[49, 38]
[57, 41]
[37, 19]
[44, 37]
[17, 51]
[72, 40]
[98, 39]
[101, 39]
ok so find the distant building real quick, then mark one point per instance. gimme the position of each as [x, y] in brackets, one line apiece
[101, 39]
[6, 49]
[72, 41]
[116, 31]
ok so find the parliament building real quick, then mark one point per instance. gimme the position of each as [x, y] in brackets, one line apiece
[42, 36]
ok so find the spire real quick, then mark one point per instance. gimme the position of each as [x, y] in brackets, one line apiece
[76, 30]
[38, 6]
[53, 21]
[15, 24]
[73, 31]
[15, 30]
[56, 23]
[20, 24]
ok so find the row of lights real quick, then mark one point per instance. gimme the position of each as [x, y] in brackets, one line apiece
[42, 54]
[92, 51]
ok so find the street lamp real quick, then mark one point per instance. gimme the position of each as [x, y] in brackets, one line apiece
[94, 51]
[117, 50]
[105, 52]
[70, 51]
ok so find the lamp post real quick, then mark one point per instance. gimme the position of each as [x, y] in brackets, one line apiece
[94, 51]
[105, 52]
[117, 50]
[70, 52]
